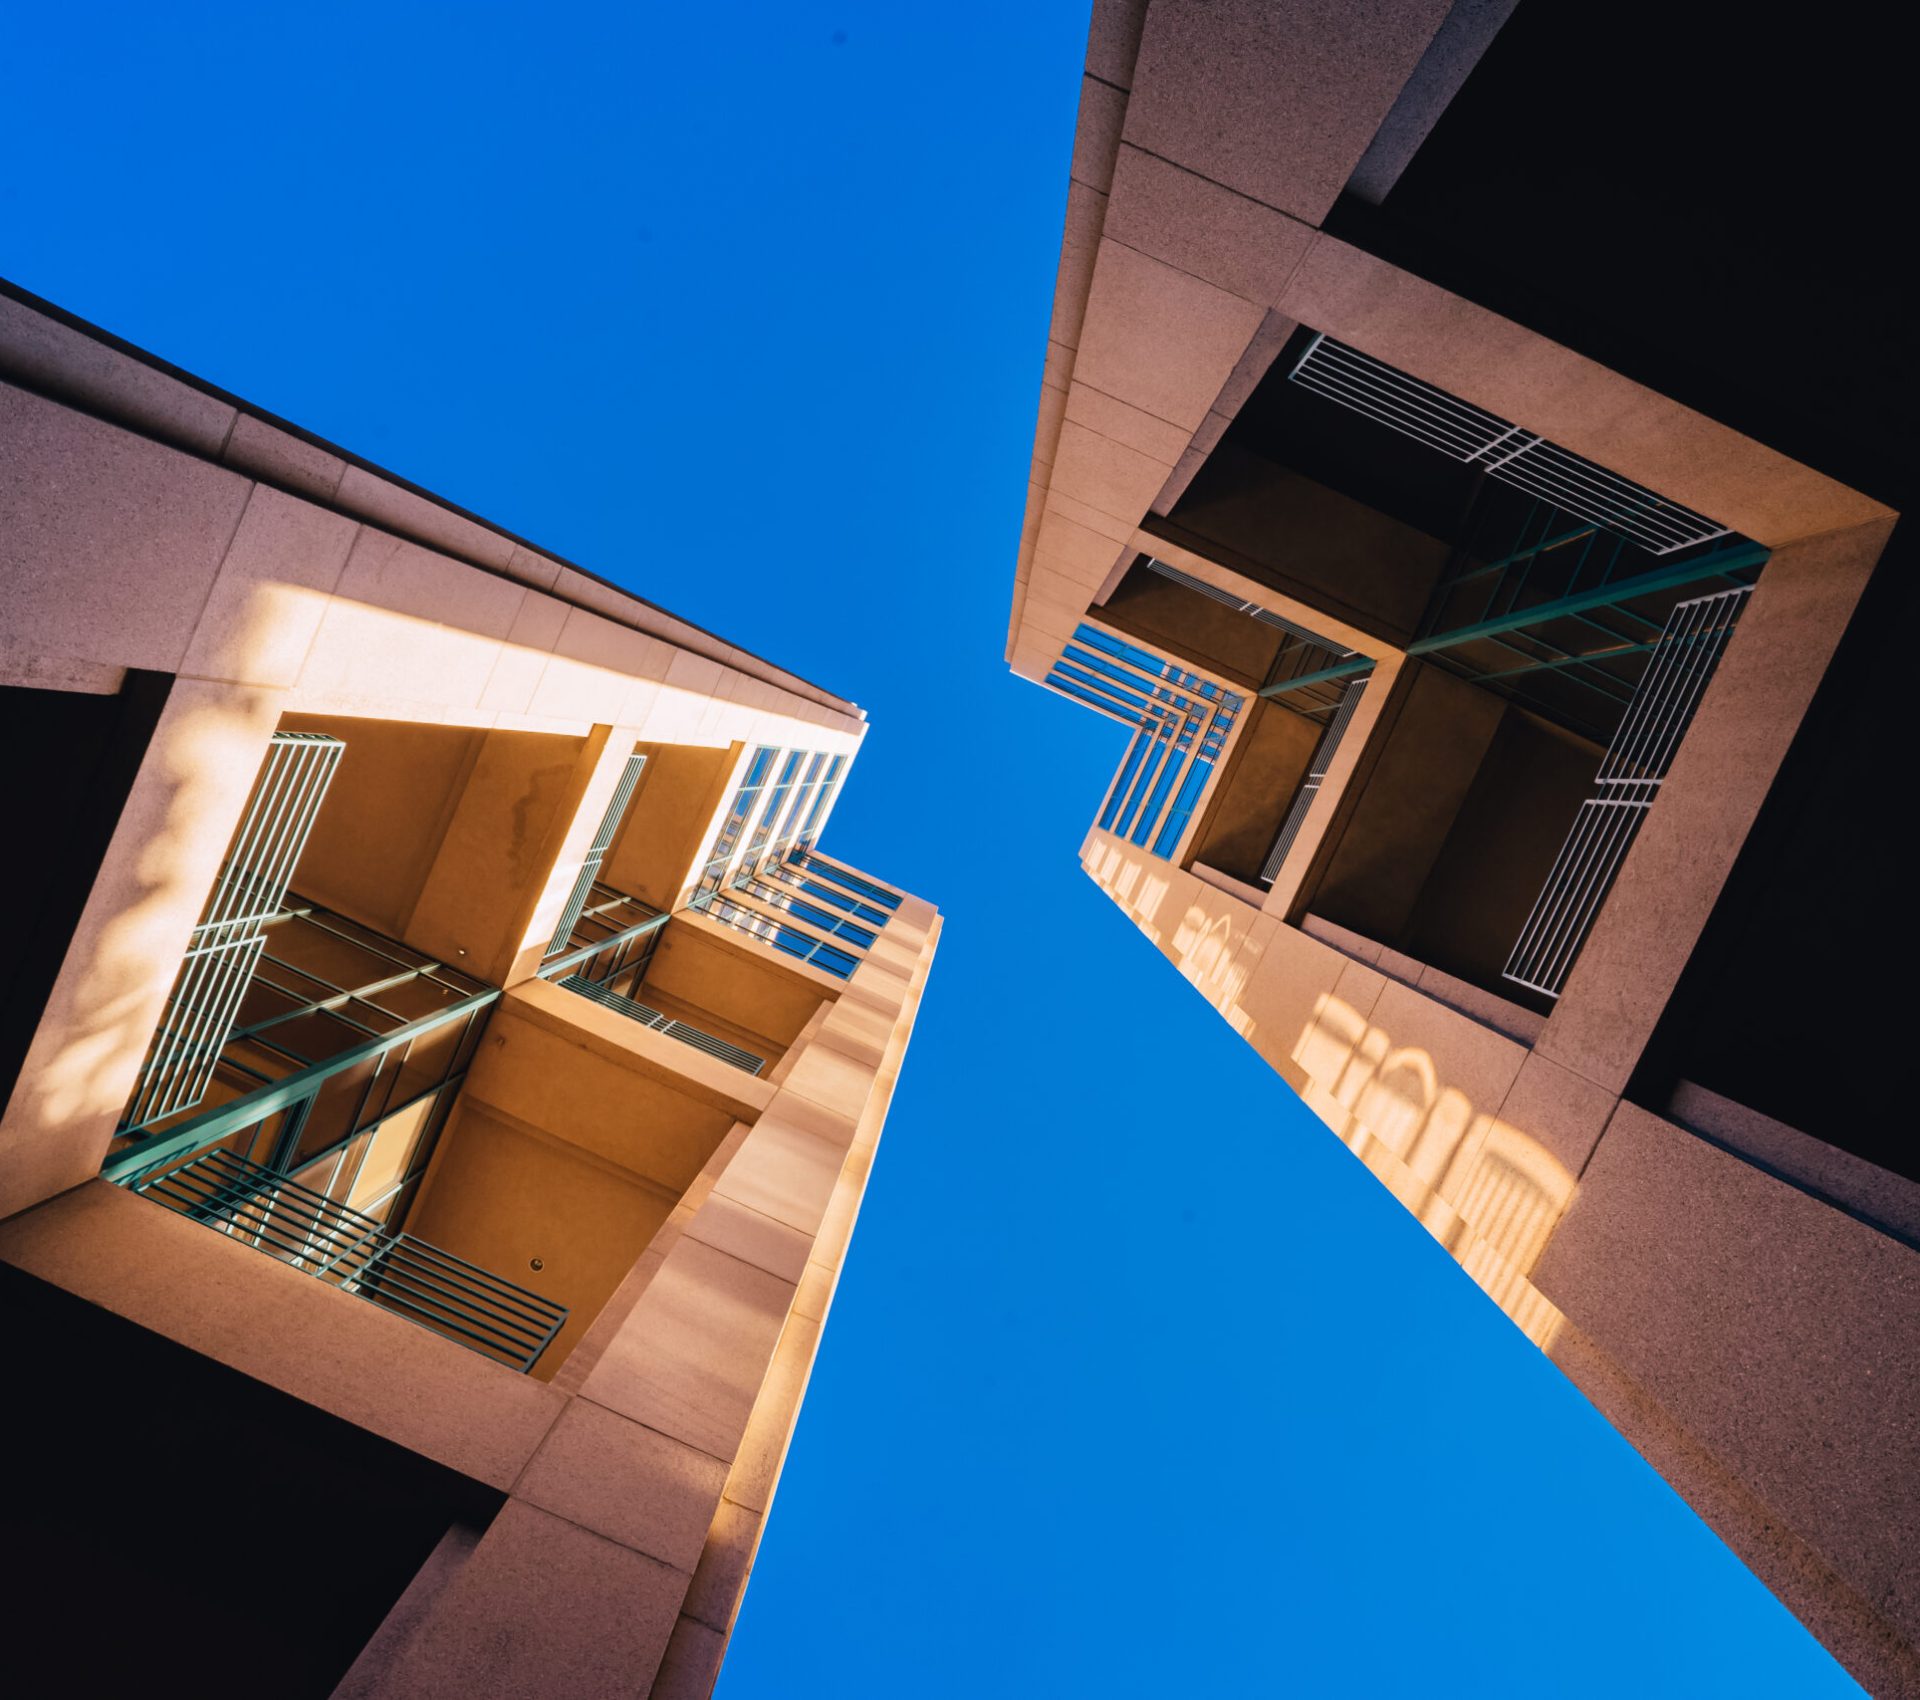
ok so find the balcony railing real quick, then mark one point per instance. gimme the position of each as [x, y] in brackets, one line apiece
[684, 1031]
[338, 1039]
[225, 947]
[1625, 789]
[351, 1251]
[597, 966]
[613, 938]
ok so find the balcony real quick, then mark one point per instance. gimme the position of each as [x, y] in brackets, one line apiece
[610, 948]
[354, 1252]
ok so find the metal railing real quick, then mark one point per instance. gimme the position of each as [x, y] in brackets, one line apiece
[1626, 787]
[291, 1099]
[648, 1016]
[593, 968]
[615, 955]
[1515, 456]
[225, 946]
[404, 1275]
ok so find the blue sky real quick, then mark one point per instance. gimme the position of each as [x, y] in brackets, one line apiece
[1137, 1383]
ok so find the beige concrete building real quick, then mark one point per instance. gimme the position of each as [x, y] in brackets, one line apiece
[451, 927]
[1476, 499]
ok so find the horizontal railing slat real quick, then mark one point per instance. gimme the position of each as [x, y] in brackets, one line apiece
[410, 1277]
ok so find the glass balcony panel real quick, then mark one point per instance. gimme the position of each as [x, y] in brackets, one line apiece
[389, 1155]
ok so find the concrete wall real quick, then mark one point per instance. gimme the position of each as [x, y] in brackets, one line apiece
[667, 828]
[444, 837]
[1181, 622]
[637, 1479]
[1252, 797]
[489, 697]
[263, 604]
[1699, 1299]
[1311, 542]
[1394, 819]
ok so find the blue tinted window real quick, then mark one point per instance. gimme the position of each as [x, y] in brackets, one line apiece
[1085, 661]
[822, 798]
[1156, 665]
[1129, 763]
[775, 802]
[1163, 782]
[838, 925]
[814, 887]
[1182, 811]
[1136, 700]
[1162, 737]
[852, 881]
[730, 829]
[801, 799]
[1093, 699]
[789, 940]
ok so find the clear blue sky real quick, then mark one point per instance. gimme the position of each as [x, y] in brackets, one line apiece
[1137, 1383]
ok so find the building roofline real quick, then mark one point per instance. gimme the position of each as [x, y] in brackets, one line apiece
[10, 290]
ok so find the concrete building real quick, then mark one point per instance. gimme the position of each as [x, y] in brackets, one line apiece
[1469, 472]
[451, 927]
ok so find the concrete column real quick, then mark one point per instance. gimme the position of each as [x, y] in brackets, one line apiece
[1284, 895]
[1672, 877]
[1433, 732]
[712, 1605]
[673, 1437]
[513, 848]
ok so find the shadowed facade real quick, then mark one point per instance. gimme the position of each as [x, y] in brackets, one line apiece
[1497, 626]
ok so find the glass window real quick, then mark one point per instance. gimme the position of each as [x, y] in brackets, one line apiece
[1182, 811]
[812, 914]
[840, 874]
[815, 887]
[728, 836]
[1129, 765]
[1162, 784]
[1155, 759]
[793, 942]
[802, 801]
[822, 802]
[389, 1158]
[775, 802]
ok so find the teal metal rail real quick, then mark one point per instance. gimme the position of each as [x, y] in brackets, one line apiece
[602, 956]
[401, 1274]
[684, 1031]
[292, 1098]
[593, 970]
